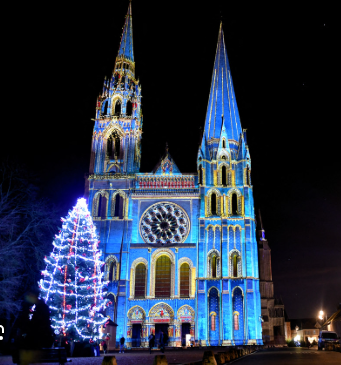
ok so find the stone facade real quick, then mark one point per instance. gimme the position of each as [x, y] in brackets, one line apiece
[180, 249]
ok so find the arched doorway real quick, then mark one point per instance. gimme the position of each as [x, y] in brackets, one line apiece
[161, 316]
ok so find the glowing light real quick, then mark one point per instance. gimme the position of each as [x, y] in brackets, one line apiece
[321, 314]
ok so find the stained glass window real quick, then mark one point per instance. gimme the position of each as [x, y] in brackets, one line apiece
[213, 319]
[140, 281]
[184, 280]
[163, 277]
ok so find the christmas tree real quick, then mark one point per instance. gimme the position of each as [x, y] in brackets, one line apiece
[72, 285]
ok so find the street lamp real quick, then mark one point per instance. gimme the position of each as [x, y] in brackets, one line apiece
[321, 313]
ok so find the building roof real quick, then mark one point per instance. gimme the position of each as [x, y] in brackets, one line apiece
[303, 323]
[222, 105]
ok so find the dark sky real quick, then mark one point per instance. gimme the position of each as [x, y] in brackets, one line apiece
[283, 64]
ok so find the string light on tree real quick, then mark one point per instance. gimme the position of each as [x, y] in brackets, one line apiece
[73, 285]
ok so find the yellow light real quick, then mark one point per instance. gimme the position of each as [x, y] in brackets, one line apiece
[321, 314]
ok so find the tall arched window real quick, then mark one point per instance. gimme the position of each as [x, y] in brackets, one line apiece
[119, 206]
[234, 265]
[214, 266]
[163, 277]
[238, 310]
[214, 204]
[200, 175]
[114, 145]
[129, 108]
[213, 307]
[224, 143]
[223, 176]
[140, 281]
[112, 271]
[234, 204]
[184, 280]
[102, 206]
[118, 108]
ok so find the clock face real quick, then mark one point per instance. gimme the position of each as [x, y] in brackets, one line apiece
[164, 223]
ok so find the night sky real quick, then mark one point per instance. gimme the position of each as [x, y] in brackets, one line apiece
[283, 64]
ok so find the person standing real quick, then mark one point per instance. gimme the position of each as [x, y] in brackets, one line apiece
[162, 342]
[122, 340]
[104, 345]
[151, 339]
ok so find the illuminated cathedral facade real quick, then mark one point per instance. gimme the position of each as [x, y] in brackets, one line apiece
[180, 250]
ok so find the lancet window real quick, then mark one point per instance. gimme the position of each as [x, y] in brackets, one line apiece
[111, 268]
[235, 264]
[105, 108]
[163, 277]
[118, 107]
[100, 205]
[214, 204]
[118, 205]
[213, 264]
[234, 203]
[140, 281]
[224, 175]
[184, 280]
[129, 108]
[114, 145]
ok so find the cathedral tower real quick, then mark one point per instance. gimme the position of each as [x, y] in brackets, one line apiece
[227, 247]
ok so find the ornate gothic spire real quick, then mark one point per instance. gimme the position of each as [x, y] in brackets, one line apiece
[126, 47]
[222, 99]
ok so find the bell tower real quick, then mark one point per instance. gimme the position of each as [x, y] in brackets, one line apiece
[116, 141]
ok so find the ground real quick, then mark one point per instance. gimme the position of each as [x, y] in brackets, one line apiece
[278, 356]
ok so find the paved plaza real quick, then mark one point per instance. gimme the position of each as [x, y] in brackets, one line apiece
[278, 356]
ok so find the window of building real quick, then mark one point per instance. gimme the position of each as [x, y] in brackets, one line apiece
[214, 266]
[112, 271]
[224, 143]
[163, 277]
[129, 109]
[184, 280]
[234, 204]
[235, 265]
[140, 281]
[102, 206]
[214, 204]
[119, 206]
[223, 176]
[118, 108]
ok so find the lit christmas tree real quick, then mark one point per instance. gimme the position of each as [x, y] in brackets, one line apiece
[72, 285]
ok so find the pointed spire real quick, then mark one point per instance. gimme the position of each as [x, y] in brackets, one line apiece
[126, 46]
[222, 103]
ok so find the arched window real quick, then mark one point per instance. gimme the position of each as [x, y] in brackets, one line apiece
[235, 265]
[224, 143]
[140, 281]
[105, 108]
[102, 207]
[129, 108]
[223, 175]
[112, 271]
[238, 313]
[119, 206]
[214, 266]
[110, 309]
[118, 107]
[213, 307]
[234, 204]
[214, 204]
[114, 145]
[200, 175]
[163, 277]
[184, 280]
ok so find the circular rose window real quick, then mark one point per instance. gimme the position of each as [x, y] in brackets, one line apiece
[164, 223]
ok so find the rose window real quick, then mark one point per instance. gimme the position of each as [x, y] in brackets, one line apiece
[164, 223]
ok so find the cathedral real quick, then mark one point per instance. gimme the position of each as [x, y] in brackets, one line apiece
[180, 250]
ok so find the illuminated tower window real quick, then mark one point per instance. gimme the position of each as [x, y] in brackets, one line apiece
[236, 322]
[223, 175]
[214, 204]
[234, 204]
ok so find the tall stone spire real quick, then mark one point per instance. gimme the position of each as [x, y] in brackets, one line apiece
[126, 49]
[222, 105]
